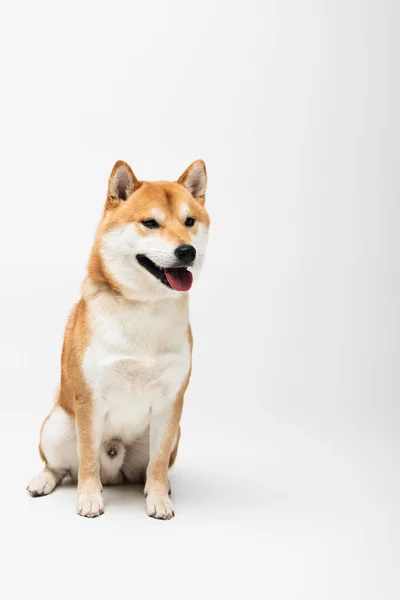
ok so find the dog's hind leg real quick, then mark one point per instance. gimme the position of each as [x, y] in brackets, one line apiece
[58, 449]
[45, 482]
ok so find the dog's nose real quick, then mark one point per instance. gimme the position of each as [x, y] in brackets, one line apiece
[185, 253]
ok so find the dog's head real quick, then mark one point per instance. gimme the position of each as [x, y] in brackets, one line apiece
[152, 237]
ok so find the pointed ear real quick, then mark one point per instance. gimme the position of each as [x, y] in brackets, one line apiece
[194, 179]
[122, 183]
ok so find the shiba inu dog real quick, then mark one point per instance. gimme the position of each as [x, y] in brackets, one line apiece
[126, 357]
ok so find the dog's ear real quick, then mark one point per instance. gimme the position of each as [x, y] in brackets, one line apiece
[194, 179]
[121, 185]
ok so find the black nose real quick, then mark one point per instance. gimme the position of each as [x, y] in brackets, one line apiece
[185, 253]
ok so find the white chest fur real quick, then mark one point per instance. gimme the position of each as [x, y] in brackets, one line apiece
[137, 360]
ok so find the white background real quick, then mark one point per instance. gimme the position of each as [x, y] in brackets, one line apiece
[287, 480]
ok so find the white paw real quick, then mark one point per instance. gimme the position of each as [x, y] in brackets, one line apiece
[159, 507]
[42, 484]
[90, 504]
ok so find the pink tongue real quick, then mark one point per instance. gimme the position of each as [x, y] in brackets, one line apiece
[179, 279]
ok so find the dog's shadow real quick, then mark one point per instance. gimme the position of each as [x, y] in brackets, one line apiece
[186, 489]
[189, 490]
[124, 494]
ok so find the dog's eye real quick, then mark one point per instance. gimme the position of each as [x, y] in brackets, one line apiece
[189, 222]
[151, 224]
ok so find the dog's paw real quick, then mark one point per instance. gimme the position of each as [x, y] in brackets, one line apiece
[90, 504]
[159, 506]
[42, 484]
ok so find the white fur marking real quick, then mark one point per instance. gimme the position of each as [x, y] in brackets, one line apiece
[136, 362]
[184, 211]
[159, 507]
[121, 245]
[90, 505]
[44, 483]
[158, 215]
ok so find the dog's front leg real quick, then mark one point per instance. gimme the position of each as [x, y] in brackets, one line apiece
[164, 427]
[89, 431]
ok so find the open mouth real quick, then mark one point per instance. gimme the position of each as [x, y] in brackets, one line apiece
[178, 278]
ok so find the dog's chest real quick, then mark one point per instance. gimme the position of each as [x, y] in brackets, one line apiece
[136, 362]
